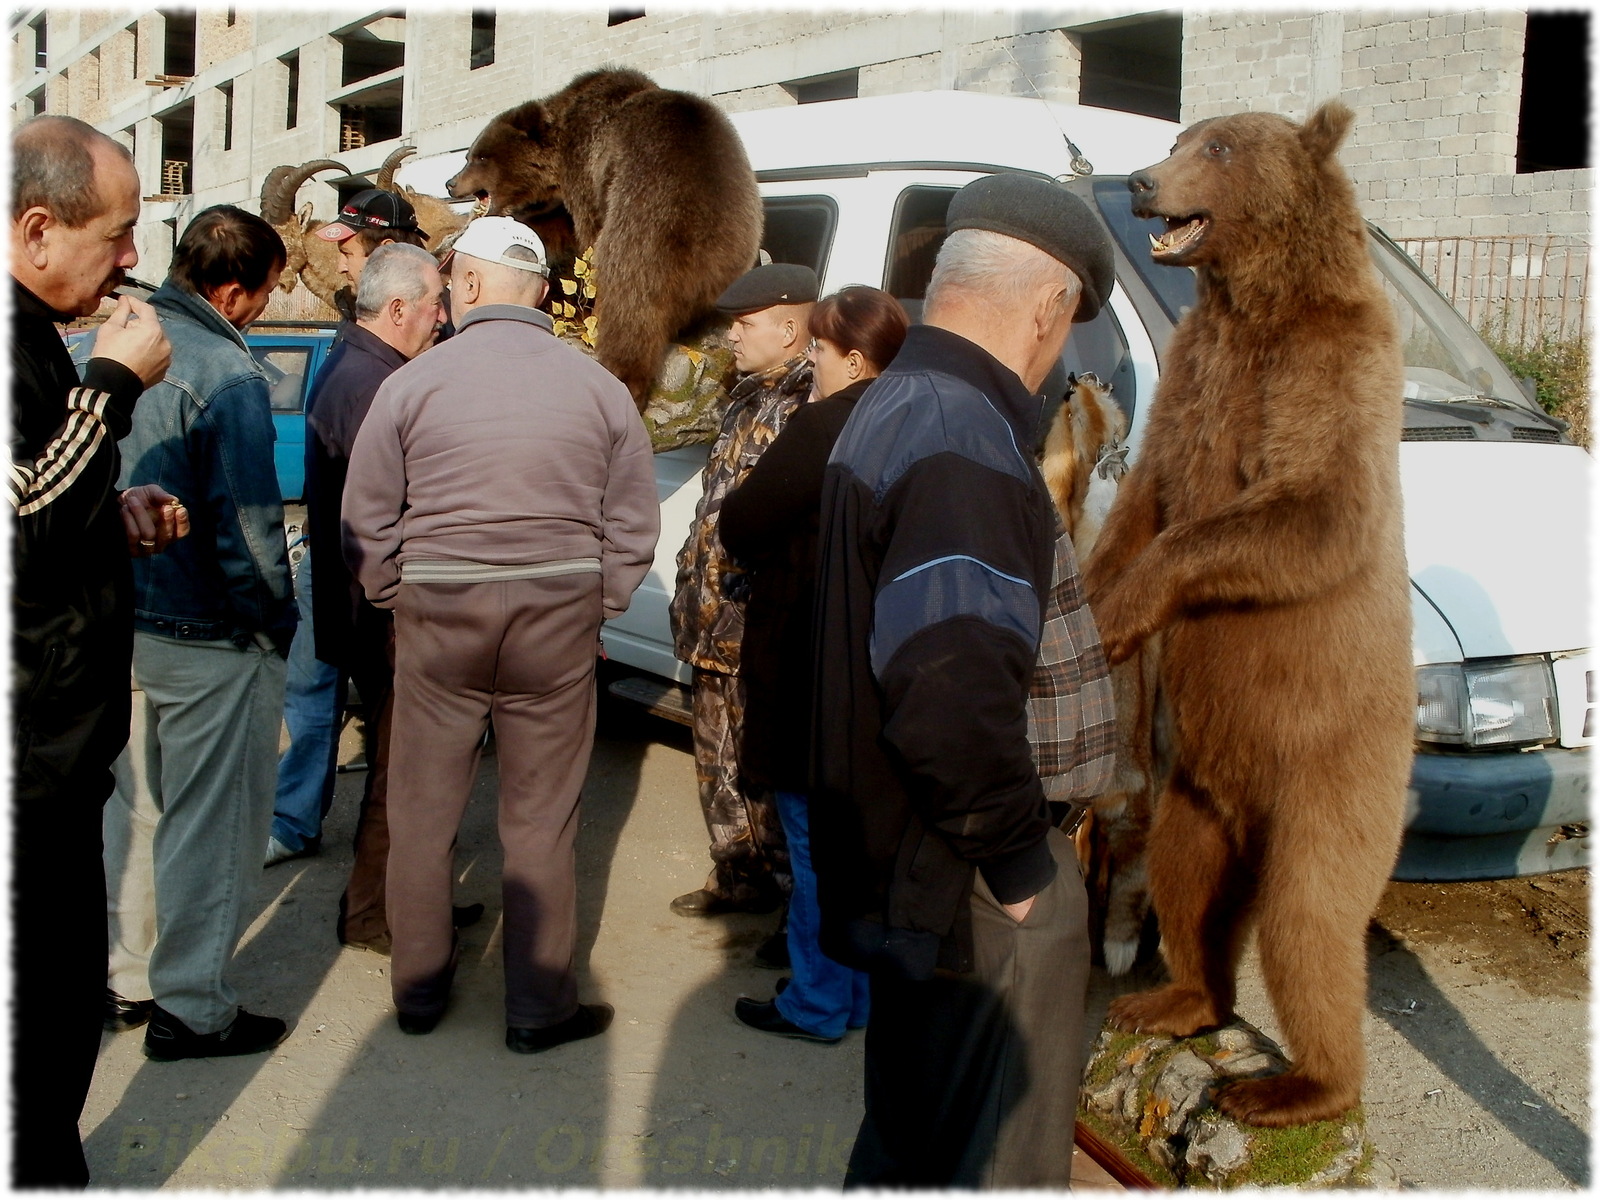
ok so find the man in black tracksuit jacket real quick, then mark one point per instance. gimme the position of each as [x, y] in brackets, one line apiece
[938, 869]
[71, 610]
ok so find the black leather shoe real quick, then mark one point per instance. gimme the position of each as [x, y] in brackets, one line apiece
[703, 902]
[167, 1039]
[464, 916]
[417, 1023]
[774, 952]
[589, 1020]
[764, 1015]
[123, 1015]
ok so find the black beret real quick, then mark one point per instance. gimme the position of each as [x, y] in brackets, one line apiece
[1046, 215]
[775, 283]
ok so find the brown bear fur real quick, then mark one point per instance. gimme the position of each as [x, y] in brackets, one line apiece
[1260, 533]
[656, 181]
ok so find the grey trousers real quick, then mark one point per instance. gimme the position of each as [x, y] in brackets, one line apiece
[185, 828]
[520, 653]
[972, 1080]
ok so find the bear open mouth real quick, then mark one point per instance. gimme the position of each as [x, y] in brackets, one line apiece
[1183, 234]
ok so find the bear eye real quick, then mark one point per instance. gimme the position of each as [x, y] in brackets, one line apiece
[1216, 149]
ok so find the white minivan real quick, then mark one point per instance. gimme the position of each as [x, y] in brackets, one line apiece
[1496, 493]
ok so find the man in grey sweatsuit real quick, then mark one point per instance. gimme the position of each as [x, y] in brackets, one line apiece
[501, 499]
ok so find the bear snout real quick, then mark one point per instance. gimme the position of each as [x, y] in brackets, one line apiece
[1143, 186]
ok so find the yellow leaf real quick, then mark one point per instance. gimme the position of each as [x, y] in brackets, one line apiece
[560, 328]
[580, 268]
[569, 286]
[588, 289]
[694, 356]
[589, 324]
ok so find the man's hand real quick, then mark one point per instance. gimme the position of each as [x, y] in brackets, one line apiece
[153, 519]
[1019, 911]
[132, 336]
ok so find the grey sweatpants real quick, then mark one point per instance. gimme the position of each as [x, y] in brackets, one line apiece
[520, 653]
[972, 1080]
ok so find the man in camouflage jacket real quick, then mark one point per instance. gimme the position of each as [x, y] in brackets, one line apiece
[770, 306]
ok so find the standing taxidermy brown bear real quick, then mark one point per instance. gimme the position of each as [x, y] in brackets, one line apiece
[656, 181]
[1260, 533]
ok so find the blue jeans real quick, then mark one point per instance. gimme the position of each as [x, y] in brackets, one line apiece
[824, 998]
[311, 711]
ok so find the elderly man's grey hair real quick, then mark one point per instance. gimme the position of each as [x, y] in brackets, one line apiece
[395, 271]
[998, 269]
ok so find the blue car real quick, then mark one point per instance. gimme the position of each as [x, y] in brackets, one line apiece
[290, 353]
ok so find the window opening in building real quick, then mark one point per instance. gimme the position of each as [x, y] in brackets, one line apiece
[372, 48]
[36, 101]
[230, 17]
[376, 120]
[1133, 65]
[799, 229]
[482, 38]
[41, 54]
[621, 16]
[838, 85]
[177, 150]
[291, 66]
[227, 114]
[1553, 125]
[133, 34]
[178, 43]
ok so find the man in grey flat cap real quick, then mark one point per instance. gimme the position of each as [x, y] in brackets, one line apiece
[750, 872]
[939, 869]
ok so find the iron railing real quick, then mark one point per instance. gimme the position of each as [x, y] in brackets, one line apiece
[1522, 289]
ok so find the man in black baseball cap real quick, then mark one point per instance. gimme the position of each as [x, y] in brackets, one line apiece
[366, 221]
[750, 873]
[939, 869]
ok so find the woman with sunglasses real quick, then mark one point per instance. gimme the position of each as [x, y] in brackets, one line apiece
[769, 524]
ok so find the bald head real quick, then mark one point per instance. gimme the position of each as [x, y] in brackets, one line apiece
[55, 162]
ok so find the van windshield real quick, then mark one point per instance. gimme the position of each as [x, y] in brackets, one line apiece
[1446, 361]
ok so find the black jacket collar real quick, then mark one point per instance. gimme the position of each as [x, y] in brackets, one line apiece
[27, 304]
[929, 348]
[360, 338]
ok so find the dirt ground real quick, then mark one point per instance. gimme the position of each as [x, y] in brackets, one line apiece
[1477, 1033]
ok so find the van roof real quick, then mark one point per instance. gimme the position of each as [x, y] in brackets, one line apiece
[948, 127]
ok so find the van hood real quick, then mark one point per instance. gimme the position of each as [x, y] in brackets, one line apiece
[1497, 539]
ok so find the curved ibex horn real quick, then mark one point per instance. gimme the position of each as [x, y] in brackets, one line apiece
[281, 184]
[385, 182]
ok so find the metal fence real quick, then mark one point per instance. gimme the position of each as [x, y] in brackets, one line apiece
[1521, 288]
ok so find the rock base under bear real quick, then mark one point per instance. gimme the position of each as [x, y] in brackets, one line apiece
[1151, 1097]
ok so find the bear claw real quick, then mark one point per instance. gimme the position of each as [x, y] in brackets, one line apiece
[1281, 1100]
[1171, 1010]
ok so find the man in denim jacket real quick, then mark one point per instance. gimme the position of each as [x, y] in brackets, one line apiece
[213, 622]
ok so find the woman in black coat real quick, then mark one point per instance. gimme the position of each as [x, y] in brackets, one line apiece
[769, 524]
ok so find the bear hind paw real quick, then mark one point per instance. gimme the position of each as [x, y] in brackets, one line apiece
[1174, 1010]
[1288, 1099]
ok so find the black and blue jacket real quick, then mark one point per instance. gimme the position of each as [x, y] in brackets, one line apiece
[935, 564]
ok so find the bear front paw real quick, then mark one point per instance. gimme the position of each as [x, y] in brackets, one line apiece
[1288, 1099]
[1172, 1010]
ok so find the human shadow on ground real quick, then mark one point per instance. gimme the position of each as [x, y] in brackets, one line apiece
[1442, 1035]
[455, 1109]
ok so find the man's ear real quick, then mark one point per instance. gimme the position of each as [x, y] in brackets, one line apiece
[28, 234]
[397, 310]
[224, 297]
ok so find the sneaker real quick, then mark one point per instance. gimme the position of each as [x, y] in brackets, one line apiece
[167, 1039]
[277, 852]
[589, 1020]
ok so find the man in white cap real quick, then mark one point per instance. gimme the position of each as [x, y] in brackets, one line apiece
[501, 499]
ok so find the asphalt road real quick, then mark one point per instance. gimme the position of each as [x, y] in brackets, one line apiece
[1475, 1079]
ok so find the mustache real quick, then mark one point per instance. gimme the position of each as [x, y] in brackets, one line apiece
[116, 279]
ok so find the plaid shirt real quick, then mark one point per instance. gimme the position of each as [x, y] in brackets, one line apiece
[1072, 717]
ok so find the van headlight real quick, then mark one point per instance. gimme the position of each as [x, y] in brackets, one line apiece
[1487, 704]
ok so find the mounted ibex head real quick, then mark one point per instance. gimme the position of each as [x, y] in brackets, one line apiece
[385, 180]
[277, 209]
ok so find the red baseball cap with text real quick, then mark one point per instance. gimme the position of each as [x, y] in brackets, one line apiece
[371, 209]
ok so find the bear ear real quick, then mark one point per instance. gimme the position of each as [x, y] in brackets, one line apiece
[1325, 129]
[527, 119]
